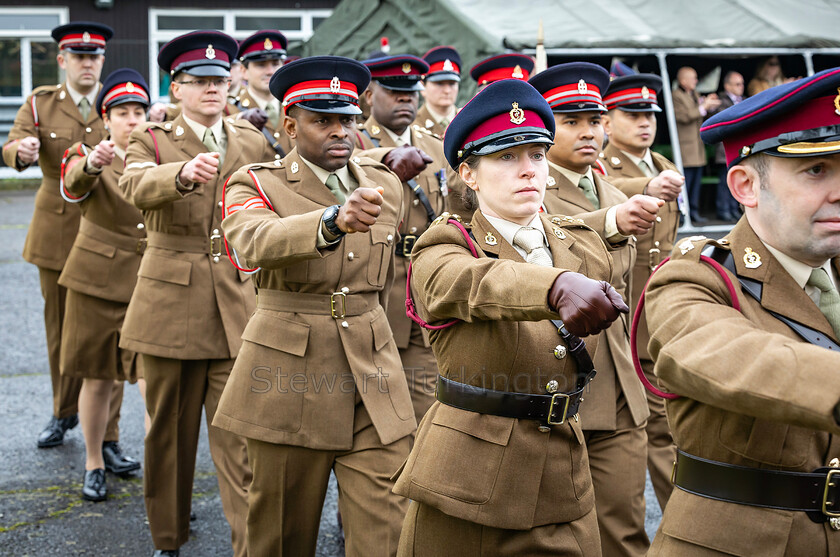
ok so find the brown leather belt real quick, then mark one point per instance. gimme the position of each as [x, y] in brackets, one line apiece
[110, 237]
[816, 493]
[337, 304]
[210, 245]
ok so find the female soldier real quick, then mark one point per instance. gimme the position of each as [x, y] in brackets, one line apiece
[101, 272]
[499, 466]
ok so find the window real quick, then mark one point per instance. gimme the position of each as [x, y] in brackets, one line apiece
[27, 51]
[166, 24]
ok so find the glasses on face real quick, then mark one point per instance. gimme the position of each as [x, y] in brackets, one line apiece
[218, 82]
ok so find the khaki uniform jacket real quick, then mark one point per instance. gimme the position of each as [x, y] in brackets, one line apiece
[753, 393]
[612, 360]
[689, 120]
[492, 470]
[112, 237]
[300, 369]
[415, 219]
[654, 246]
[245, 101]
[190, 303]
[58, 125]
[425, 120]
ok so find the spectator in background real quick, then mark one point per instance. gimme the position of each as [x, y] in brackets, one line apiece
[769, 74]
[733, 92]
[690, 109]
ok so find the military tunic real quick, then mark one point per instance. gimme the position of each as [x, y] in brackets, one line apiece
[318, 384]
[50, 115]
[753, 394]
[245, 101]
[425, 119]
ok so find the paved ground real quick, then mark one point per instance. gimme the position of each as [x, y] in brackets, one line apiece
[41, 511]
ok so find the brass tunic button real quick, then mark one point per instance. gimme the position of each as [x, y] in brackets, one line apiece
[140, 226]
[220, 205]
[412, 230]
[345, 290]
[834, 463]
[215, 259]
[552, 386]
[88, 130]
[658, 219]
[390, 238]
[276, 135]
[345, 324]
[52, 135]
[215, 231]
[834, 523]
[559, 351]
[350, 256]
[415, 202]
[544, 429]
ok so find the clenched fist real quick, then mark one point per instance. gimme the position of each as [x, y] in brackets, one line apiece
[102, 155]
[361, 210]
[637, 214]
[28, 147]
[201, 169]
[157, 112]
[585, 306]
[667, 185]
[256, 116]
[407, 161]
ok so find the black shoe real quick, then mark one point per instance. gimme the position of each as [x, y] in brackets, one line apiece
[94, 487]
[697, 219]
[53, 434]
[115, 461]
[166, 553]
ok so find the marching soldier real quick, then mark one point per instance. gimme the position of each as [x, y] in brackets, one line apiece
[318, 384]
[262, 54]
[616, 409]
[499, 465]
[752, 348]
[51, 120]
[101, 271]
[502, 66]
[440, 89]
[633, 168]
[393, 96]
[190, 305]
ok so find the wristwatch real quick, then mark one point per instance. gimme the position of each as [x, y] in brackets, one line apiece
[328, 218]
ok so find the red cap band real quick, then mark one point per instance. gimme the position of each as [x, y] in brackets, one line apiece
[630, 96]
[505, 121]
[265, 46]
[580, 92]
[503, 73]
[444, 66]
[127, 89]
[208, 54]
[340, 90]
[89, 40]
[403, 70]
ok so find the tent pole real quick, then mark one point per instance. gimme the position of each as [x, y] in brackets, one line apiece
[672, 130]
[809, 62]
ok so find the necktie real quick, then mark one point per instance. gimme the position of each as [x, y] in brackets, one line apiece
[829, 298]
[84, 107]
[645, 168]
[273, 115]
[531, 240]
[335, 187]
[589, 191]
[209, 141]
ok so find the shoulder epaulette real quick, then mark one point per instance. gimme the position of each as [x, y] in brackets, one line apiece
[444, 217]
[423, 130]
[44, 89]
[568, 222]
[690, 248]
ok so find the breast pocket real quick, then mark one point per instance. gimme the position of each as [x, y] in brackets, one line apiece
[381, 240]
[162, 300]
[772, 443]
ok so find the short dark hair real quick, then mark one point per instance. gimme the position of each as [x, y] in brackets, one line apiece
[760, 163]
[292, 110]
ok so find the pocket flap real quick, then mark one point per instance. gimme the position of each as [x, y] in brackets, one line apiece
[89, 243]
[382, 333]
[379, 234]
[273, 331]
[166, 269]
[493, 429]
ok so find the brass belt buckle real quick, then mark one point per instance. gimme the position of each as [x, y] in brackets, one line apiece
[554, 398]
[216, 239]
[338, 309]
[835, 513]
[408, 245]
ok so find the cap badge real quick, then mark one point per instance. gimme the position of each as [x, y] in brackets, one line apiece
[645, 92]
[267, 45]
[85, 37]
[582, 86]
[447, 66]
[294, 167]
[129, 87]
[751, 259]
[179, 131]
[209, 53]
[517, 72]
[837, 102]
[559, 233]
[517, 115]
[490, 240]
[406, 68]
[335, 85]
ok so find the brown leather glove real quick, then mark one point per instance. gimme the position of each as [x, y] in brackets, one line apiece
[586, 306]
[407, 161]
[256, 116]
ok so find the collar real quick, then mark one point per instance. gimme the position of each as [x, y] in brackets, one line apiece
[119, 152]
[735, 98]
[800, 271]
[263, 103]
[404, 139]
[636, 160]
[509, 229]
[342, 173]
[571, 175]
[198, 129]
[439, 118]
[77, 97]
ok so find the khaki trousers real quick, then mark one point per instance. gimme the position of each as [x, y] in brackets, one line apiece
[290, 483]
[617, 462]
[66, 389]
[421, 372]
[175, 392]
[662, 452]
[429, 532]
